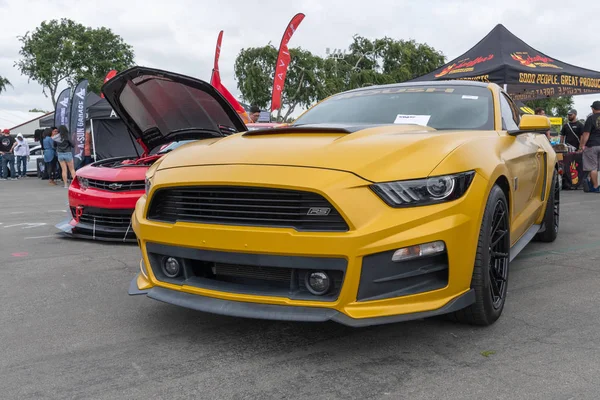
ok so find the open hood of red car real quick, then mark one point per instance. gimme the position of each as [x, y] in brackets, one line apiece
[160, 107]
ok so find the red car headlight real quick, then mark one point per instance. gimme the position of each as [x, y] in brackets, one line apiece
[83, 183]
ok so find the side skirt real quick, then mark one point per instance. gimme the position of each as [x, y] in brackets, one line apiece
[525, 239]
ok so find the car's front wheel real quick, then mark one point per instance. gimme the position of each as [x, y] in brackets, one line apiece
[490, 273]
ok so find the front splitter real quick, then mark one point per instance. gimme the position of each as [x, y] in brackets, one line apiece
[287, 313]
[94, 233]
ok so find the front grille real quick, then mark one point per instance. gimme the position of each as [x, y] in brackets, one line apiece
[303, 211]
[124, 186]
[118, 219]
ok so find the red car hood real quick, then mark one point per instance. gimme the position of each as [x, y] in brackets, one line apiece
[160, 107]
[120, 174]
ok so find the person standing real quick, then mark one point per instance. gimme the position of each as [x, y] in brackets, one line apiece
[254, 114]
[49, 155]
[590, 144]
[540, 111]
[87, 149]
[572, 130]
[64, 151]
[22, 154]
[7, 145]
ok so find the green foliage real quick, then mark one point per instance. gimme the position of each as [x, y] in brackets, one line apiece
[311, 78]
[66, 50]
[554, 106]
[254, 69]
[4, 83]
[104, 51]
[38, 110]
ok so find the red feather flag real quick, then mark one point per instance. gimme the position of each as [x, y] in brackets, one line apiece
[215, 80]
[283, 60]
[108, 77]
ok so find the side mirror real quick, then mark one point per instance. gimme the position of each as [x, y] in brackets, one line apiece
[531, 123]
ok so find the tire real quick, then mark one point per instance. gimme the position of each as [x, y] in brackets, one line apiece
[552, 214]
[489, 282]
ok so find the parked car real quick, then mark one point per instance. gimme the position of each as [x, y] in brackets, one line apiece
[35, 152]
[377, 205]
[103, 194]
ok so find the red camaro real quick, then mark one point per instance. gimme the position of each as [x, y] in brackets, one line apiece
[103, 195]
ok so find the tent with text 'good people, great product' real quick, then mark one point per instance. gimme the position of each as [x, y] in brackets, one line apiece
[504, 59]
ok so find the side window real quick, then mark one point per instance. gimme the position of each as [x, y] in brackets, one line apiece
[36, 152]
[510, 115]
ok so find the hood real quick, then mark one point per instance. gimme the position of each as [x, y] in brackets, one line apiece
[378, 154]
[160, 107]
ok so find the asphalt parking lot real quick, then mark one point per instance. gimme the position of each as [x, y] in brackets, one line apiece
[68, 329]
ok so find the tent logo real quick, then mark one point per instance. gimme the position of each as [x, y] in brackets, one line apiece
[526, 60]
[465, 65]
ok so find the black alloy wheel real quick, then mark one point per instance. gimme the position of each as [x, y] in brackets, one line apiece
[489, 281]
[499, 254]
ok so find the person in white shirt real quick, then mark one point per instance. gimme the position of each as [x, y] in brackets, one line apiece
[22, 154]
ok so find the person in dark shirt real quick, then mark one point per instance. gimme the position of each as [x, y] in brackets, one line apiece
[572, 130]
[590, 144]
[7, 144]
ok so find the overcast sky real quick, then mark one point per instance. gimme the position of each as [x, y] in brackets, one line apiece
[180, 35]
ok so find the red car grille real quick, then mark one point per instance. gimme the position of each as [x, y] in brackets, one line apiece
[105, 218]
[124, 186]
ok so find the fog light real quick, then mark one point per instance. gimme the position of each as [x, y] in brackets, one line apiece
[171, 267]
[421, 250]
[318, 283]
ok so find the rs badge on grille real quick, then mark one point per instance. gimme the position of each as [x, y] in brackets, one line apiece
[319, 211]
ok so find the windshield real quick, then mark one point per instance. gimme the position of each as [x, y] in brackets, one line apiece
[439, 107]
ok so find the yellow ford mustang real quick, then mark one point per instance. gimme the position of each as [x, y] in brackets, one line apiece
[377, 205]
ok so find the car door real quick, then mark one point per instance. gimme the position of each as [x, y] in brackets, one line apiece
[524, 158]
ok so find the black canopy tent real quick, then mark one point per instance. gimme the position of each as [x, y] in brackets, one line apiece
[525, 73]
[110, 137]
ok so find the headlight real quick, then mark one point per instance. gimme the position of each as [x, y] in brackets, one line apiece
[148, 185]
[421, 192]
[83, 183]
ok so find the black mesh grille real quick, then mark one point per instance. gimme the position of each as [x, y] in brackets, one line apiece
[117, 186]
[304, 211]
[113, 220]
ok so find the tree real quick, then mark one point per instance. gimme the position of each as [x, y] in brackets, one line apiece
[103, 51]
[553, 106]
[381, 61]
[65, 50]
[4, 83]
[255, 68]
[37, 110]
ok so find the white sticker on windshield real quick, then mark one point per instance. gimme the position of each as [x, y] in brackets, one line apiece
[412, 119]
[468, 97]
